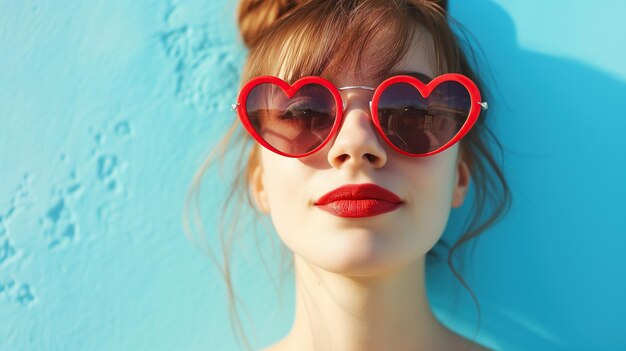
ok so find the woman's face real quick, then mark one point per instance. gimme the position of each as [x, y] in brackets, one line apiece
[287, 188]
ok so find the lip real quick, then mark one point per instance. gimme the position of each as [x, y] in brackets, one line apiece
[359, 200]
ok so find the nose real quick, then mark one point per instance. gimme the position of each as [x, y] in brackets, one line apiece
[357, 144]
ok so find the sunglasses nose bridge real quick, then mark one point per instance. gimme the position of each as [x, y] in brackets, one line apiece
[344, 104]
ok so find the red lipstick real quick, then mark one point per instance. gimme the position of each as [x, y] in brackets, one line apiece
[359, 200]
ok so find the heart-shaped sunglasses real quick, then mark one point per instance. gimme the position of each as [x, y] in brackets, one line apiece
[414, 118]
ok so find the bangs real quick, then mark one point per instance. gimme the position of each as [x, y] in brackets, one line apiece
[325, 40]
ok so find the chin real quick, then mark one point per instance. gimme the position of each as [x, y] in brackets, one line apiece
[362, 253]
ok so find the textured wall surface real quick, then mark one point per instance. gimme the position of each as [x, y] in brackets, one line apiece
[107, 108]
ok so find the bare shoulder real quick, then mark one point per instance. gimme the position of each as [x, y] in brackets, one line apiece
[459, 343]
[463, 344]
[477, 347]
[275, 347]
[278, 346]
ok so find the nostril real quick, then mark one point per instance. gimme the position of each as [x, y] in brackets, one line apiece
[343, 157]
[371, 157]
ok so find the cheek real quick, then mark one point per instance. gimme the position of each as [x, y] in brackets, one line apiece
[433, 178]
[429, 199]
[284, 181]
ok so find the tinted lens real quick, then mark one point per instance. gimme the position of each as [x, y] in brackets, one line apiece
[294, 126]
[418, 125]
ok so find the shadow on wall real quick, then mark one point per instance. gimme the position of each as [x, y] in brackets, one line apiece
[550, 271]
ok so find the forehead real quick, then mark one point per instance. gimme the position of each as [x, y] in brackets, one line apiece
[421, 56]
[419, 61]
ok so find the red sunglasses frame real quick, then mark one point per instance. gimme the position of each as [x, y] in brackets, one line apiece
[424, 89]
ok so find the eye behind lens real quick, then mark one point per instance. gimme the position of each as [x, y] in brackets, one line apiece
[295, 125]
[419, 125]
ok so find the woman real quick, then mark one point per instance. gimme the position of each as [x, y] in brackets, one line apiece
[357, 171]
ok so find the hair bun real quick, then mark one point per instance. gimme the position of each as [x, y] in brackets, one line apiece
[256, 16]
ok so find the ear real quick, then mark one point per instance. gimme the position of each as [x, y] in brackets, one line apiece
[258, 190]
[461, 185]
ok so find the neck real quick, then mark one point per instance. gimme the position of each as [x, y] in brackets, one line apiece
[387, 312]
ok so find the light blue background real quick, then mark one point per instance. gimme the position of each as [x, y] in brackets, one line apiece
[107, 108]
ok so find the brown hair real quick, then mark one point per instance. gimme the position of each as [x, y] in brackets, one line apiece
[319, 37]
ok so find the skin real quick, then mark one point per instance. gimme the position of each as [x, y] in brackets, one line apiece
[360, 282]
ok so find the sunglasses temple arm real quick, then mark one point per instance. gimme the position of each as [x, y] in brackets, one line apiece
[233, 107]
[483, 105]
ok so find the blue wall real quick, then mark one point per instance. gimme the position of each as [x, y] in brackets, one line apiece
[108, 108]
